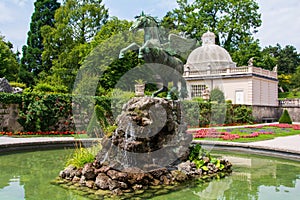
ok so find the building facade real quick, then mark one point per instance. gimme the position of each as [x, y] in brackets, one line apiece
[210, 66]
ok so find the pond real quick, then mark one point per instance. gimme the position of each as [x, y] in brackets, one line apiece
[28, 175]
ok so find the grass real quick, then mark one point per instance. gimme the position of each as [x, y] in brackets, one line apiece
[266, 137]
[263, 133]
[81, 155]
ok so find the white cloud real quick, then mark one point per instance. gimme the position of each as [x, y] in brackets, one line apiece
[280, 23]
[6, 15]
[15, 17]
[21, 2]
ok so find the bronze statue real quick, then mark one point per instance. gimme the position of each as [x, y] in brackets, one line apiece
[157, 49]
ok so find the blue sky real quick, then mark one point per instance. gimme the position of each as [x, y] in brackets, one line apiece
[281, 18]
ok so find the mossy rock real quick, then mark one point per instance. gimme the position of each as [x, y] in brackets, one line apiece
[103, 192]
[162, 191]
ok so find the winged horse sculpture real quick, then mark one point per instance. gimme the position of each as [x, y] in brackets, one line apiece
[157, 49]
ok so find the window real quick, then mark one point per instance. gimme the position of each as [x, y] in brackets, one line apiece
[239, 97]
[197, 90]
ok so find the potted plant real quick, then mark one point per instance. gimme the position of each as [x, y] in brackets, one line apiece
[139, 88]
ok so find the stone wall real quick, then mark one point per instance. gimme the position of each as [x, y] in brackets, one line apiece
[9, 115]
[261, 113]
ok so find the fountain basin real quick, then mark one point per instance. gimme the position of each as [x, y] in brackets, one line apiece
[28, 175]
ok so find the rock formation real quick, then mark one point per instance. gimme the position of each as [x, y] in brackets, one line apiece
[5, 86]
[150, 134]
[149, 148]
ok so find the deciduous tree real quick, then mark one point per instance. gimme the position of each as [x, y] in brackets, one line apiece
[8, 61]
[68, 42]
[231, 20]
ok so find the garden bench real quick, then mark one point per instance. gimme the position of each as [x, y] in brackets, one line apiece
[268, 119]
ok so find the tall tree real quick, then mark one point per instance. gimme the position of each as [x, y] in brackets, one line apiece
[246, 49]
[8, 61]
[31, 62]
[231, 20]
[68, 42]
[287, 58]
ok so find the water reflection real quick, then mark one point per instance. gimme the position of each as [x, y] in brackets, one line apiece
[14, 190]
[215, 189]
[253, 178]
[28, 175]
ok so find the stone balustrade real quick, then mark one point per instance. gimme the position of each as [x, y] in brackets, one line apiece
[231, 71]
[289, 103]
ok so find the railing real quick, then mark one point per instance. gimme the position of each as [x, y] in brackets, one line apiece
[289, 103]
[232, 71]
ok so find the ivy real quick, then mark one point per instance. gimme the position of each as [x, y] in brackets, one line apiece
[8, 98]
[40, 112]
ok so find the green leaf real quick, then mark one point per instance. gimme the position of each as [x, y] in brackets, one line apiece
[221, 167]
[205, 168]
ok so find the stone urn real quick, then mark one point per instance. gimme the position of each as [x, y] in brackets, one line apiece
[139, 88]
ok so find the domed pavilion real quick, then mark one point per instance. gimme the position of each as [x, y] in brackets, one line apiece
[210, 66]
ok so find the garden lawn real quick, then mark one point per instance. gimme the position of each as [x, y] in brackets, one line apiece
[248, 133]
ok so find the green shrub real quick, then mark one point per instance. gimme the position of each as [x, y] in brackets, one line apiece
[47, 88]
[242, 114]
[217, 95]
[191, 113]
[285, 118]
[81, 156]
[9, 98]
[20, 85]
[40, 112]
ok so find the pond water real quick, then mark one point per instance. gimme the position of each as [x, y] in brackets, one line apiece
[27, 176]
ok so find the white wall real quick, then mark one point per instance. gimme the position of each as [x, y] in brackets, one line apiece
[256, 91]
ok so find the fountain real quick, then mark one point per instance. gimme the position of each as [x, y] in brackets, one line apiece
[149, 148]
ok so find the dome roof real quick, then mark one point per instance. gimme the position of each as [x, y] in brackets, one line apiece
[209, 54]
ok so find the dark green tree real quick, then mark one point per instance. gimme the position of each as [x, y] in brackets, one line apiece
[287, 59]
[232, 21]
[117, 69]
[103, 64]
[246, 49]
[31, 62]
[8, 61]
[295, 80]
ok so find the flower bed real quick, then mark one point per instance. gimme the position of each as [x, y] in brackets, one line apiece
[42, 133]
[247, 132]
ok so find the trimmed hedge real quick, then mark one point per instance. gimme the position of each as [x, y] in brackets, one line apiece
[285, 118]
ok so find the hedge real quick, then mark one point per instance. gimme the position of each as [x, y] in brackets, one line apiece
[38, 112]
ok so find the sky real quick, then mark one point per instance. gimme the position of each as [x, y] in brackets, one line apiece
[280, 18]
